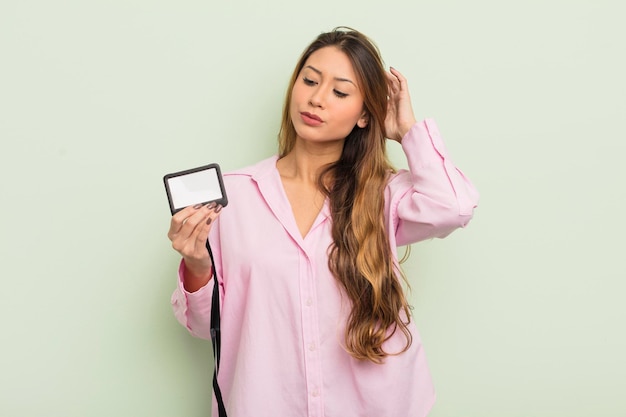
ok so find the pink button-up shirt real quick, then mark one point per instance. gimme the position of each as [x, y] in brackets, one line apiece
[283, 313]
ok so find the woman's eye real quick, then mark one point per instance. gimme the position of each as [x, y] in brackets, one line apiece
[308, 81]
[340, 94]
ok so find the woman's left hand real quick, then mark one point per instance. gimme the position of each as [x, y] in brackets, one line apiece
[400, 117]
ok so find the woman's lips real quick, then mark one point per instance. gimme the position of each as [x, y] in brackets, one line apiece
[311, 119]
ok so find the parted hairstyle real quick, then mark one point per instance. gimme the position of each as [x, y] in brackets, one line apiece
[360, 256]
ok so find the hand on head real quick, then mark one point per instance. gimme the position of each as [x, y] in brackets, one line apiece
[400, 115]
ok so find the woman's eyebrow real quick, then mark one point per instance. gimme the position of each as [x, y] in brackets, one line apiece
[336, 78]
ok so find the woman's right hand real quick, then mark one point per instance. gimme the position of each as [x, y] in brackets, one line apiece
[188, 233]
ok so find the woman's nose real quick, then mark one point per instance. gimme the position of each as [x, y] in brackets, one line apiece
[317, 98]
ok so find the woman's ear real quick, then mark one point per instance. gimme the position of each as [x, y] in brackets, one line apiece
[363, 120]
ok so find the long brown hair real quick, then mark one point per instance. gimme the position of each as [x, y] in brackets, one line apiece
[360, 256]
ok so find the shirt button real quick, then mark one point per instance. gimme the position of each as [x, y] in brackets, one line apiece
[315, 393]
[309, 302]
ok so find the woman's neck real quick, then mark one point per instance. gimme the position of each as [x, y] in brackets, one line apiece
[305, 161]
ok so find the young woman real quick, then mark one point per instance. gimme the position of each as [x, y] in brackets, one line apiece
[314, 318]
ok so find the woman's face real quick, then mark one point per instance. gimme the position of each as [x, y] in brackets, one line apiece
[326, 102]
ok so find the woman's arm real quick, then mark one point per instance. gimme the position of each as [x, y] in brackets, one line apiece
[432, 198]
[191, 300]
[193, 309]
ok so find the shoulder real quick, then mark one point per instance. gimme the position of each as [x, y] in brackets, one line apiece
[251, 172]
[245, 188]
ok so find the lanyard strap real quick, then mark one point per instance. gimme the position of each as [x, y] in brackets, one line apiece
[216, 339]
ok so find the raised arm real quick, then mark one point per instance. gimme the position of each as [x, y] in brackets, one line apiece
[433, 197]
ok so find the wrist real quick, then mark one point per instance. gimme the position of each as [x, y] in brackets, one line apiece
[195, 276]
[404, 129]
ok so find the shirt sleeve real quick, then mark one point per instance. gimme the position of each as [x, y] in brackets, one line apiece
[433, 197]
[193, 309]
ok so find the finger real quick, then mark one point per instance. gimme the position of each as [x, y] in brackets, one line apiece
[203, 217]
[201, 231]
[185, 220]
[402, 82]
[191, 239]
[190, 223]
[393, 83]
[397, 74]
[180, 218]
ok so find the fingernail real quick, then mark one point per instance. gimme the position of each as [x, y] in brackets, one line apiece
[208, 221]
[211, 205]
[218, 208]
[197, 206]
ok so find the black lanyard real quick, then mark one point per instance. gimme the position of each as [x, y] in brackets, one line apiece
[216, 339]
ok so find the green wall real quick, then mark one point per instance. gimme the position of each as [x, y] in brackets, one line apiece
[521, 313]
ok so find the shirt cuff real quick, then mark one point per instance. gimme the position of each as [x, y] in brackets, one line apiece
[423, 144]
[196, 300]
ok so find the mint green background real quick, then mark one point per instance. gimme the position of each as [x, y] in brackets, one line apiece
[522, 313]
